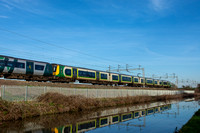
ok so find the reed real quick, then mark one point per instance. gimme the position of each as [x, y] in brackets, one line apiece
[54, 103]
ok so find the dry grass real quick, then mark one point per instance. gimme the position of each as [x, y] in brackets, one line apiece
[53, 103]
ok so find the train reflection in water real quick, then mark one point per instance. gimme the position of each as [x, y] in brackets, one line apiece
[107, 120]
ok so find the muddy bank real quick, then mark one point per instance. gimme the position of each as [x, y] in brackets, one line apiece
[54, 103]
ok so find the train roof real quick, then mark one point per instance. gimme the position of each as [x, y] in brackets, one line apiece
[24, 59]
[90, 69]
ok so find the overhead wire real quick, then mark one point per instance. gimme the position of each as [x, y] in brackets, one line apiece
[58, 46]
[43, 56]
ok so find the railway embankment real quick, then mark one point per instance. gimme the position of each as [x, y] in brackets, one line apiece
[71, 85]
[54, 103]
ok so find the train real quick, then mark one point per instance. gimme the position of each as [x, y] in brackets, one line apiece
[125, 116]
[99, 122]
[30, 70]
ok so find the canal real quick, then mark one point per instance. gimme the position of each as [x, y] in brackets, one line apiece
[155, 117]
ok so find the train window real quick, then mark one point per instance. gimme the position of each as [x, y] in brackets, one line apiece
[165, 83]
[104, 76]
[149, 81]
[10, 64]
[93, 75]
[128, 116]
[115, 119]
[86, 74]
[156, 82]
[136, 79]
[136, 114]
[47, 68]
[80, 73]
[160, 83]
[104, 121]
[114, 77]
[39, 67]
[68, 72]
[150, 111]
[142, 80]
[20, 65]
[87, 125]
[126, 78]
[2, 63]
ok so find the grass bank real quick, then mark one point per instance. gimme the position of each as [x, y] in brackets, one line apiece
[54, 103]
[192, 126]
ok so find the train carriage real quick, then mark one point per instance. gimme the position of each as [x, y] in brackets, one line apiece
[16, 68]
[63, 73]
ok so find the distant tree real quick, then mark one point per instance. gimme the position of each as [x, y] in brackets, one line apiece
[197, 90]
[198, 86]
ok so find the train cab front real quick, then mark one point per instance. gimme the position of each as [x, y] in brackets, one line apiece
[55, 70]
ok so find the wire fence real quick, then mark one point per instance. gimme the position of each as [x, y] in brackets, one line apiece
[27, 93]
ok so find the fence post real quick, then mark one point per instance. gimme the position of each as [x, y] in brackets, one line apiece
[26, 93]
[87, 92]
[44, 89]
[60, 89]
[3, 92]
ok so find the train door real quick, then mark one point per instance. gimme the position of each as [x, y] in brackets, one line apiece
[97, 76]
[48, 70]
[29, 68]
[75, 73]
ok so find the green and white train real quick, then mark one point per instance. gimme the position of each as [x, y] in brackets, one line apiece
[16, 68]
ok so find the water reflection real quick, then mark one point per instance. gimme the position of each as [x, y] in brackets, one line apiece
[121, 119]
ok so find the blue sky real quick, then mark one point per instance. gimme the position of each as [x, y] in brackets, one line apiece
[163, 36]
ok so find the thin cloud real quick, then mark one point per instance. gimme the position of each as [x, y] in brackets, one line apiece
[6, 6]
[4, 17]
[159, 5]
[22, 5]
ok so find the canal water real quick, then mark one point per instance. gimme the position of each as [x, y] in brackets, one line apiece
[165, 117]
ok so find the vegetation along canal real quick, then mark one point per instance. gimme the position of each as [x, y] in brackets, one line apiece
[153, 117]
